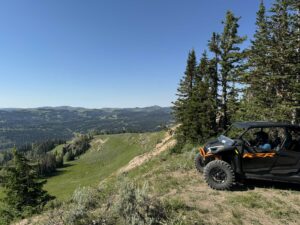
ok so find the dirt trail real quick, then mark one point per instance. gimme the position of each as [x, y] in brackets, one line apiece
[101, 141]
[165, 144]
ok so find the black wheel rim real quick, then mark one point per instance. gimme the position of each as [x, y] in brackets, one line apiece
[218, 175]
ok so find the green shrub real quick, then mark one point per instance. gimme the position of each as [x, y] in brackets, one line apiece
[85, 197]
[78, 211]
[176, 149]
[59, 161]
[137, 208]
[69, 156]
[6, 215]
[79, 145]
[175, 204]
[182, 147]
[54, 204]
[46, 165]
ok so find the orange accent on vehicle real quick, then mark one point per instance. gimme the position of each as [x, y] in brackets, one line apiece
[259, 155]
[204, 154]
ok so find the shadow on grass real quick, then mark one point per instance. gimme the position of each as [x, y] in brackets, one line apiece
[59, 171]
[252, 184]
[66, 165]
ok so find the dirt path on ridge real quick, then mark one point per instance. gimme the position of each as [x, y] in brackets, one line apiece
[164, 145]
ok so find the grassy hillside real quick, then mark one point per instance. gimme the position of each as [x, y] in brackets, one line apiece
[174, 187]
[174, 179]
[185, 197]
[107, 154]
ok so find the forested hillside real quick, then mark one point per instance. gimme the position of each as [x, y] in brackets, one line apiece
[22, 126]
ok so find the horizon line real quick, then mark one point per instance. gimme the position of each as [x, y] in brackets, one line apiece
[82, 107]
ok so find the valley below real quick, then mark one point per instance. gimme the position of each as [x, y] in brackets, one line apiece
[25, 126]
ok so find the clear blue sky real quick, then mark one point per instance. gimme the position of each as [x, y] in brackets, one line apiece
[105, 53]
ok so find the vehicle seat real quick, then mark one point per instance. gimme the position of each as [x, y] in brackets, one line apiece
[288, 141]
[295, 146]
[276, 142]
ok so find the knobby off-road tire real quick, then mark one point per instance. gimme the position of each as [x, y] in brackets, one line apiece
[199, 163]
[219, 175]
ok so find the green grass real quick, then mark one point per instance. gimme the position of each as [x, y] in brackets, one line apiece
[173, 178]
[249, 200]
[1, 194]
[57, 149]
[100, 162]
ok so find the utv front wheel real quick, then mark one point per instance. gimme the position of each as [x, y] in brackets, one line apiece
[219, 175]
[199, 163]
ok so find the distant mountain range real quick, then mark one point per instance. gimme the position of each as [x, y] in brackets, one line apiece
[21, 126]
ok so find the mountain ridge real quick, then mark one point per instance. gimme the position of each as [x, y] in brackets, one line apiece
[25, 126]
[79, 107]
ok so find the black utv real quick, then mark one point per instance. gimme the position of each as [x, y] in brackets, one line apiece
[251, 150]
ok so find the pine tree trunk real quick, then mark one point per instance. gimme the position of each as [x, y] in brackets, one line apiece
[224, 103]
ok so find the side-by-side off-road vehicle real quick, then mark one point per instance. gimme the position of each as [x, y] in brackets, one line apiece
[251, 150]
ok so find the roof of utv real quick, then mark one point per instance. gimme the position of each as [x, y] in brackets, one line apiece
[262, 124]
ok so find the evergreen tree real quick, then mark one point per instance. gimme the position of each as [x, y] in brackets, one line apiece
[23, 192]
[273, 78]
[214, 47]
[257, 97]
[284, 50]
[260, 83]
[182, 107]
[204, 100]
[295, 58]
[231, 58]
[280, 51]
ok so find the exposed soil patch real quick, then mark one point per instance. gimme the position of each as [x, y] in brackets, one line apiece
[165, 144]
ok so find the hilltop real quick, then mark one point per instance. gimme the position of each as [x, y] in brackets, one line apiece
[22, 126]
[168, 182]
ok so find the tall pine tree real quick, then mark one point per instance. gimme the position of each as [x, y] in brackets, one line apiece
[194, 109]
[182, 107]
[294, 7]
[280, 50]
[202, 104]
[214, 47]
[257, 97]
[231, 58]
[273, 77]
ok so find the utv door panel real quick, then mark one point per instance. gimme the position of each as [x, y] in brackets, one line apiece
[287, 158]
[258, 165]
[287, 162]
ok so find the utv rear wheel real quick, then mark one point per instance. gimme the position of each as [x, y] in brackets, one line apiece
[219, 175]
[199, 163]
